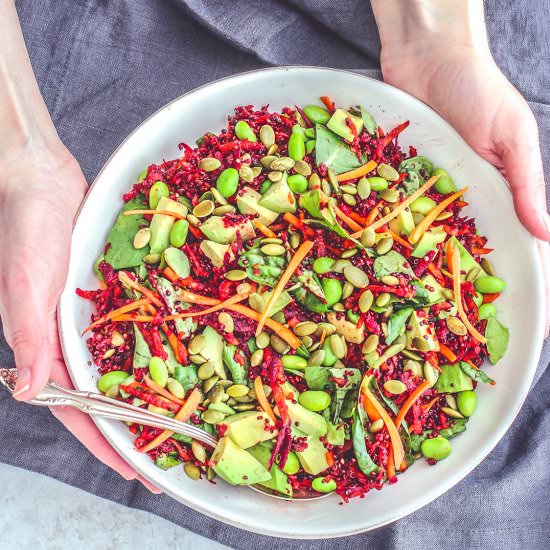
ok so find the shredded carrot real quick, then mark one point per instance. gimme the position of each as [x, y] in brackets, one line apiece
[410, 401]
[432, 268]
[372, 413]
[126, 280]
[296, 222]
[329, 455]
[397, 444]
[390, 466]
[357, 172]
[262, 399]
[401, 206]
[116, 312]
[480, 250]
[329, 104]
[430, 217]
[170, 274]
[152, 212]
[187, 409]
[362, 220]
[196, 232]
[488, 298]
[133, 317]
[161, 391]
[471, 364]
[427, 406]
[455, 264]
[352, 224]
[447, 353]
[323, 337]
[397, 238]
[294, 263]
[263, 229]
[374, 213]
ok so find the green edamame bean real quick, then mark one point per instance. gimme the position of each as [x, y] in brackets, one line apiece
[487, 310]
[377, 184]
[323, 264]
[228, 182]
[110, 379]
[265, 186]
[142, 175]
[310, 146]
[445, 183]
[467, 402]
[317, 115]
[321, 486]
[332, 289]
[158, 371]
[478, 299]
[297, 183]
[330, 358]
[436, 448]
[297, 129]
[311, 133]
[422, 205]
[353, 316]
[292, 464]
[314, 400]
[294, 362]
[489, 284]
[178, 233]
[296, 147]
[244, 131]
[158, 190]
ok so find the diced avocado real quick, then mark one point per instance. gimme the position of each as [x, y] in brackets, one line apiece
[433, 288]
[337, 124]
[236, 466]
[248, 203]
[467, 262]
[452, 379]
[214, 228]
[249, 428]
[336, 435]
[215, 251]
[279, 480]
[418, 326]
[304, 420]
[161, 224]
[348, 330]
[428, 242]
[279, 197]
[258, 301]
[314, 457]
[213, 350]
[403, 224]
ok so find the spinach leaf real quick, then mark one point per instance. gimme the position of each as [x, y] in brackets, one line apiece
[497, 339]
[142, 355]
[423, 166]
[238, 371]
[368, 120]
[310, 282]
[458, 427]
[476, 374]
[182, 438]
[311, 201]
[334, 153]
[364, 461]
[396, 324]
[186, 376]
[391, 263]
[121, 253]
[317, 378]
[308, 300]
[166, 461]
[170, 296]
[262, 269]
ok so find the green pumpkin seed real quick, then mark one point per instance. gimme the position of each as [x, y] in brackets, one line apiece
[272, 150]
[456, 326]
[226, 321]
[207, 385]
[327, 328]
[209, 164]
[383, 299]
[368, 237]
[196, 344]
[412, 366]
[212, 417]
[266, 161]
[273, 250]
[244, 288]
[339, 265]
[175, 388]
[294, 240]
[193, 220]
[267, 135]
[376, 426]
[303, 168]
[387, 172]
[257, 357]
[305, 328]
[243, 399]
[235, 275]
[365, 301]
[271, 240]
[421, 344]
[282, 163]
[349, 253]
[216, 394]
[453, 413]
[152, 258]
[347, 290]
[192, 470]
[113, 391]
[198, 450]
[262, 340]
[203, 209]
[487, 266]
[278, 344]
[357, 277]
[451, 401]
[395, 387]
[411, 355]
[444, 216]
[390, 280]
[237, 390]
[307, 341]
[349, 189]
[218, 197]
[326, 188]
[473, 274]
[384, 245]
[339, 307]
[363, 188]
[256, 171]
[274, 175]
[338, 346]
[314, 181]
[142, 238]
[349, 199]
[317, 358]
[332, 180]
[430, 374]
[224, 209]
[389, 195]
[242, 407]
[197, 359]
[246, 173]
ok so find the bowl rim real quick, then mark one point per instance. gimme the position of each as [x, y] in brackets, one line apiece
[433, 493]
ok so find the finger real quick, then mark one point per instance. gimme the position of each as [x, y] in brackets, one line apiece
[544, 250]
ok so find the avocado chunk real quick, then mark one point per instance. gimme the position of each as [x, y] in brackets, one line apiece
[428, 242]
[247, 203]
[215, 252]
[314, 457]
[249, 428]
[403, 224]
[279, 480]
[279, 197]
[305, 420]
[236, 466]
[467, 262]
[336, 435]
[161, 224]
[258, 301]
[433, 288]
[337, 124]
[452, 379]
[347, 329]
[214, 228]
[213, 350]
[419, 327]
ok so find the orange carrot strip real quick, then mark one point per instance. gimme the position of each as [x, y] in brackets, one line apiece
[296, 260]
[126, 280]
[263, 229]
[410, 401]
[170, 274]
[488, 298]
[373, 214]
[397, 444]
[419, 230]
[133, 317]
[262, 399]
[455, 263]
[361, 220]
[432, 268]
[352, 224]
[187, 409]
[372, 413]
[401, 206]
[329, 104]
[357, 172]
[329, 455]
[426, 407]
[222, 305]
[447, 353]
[296, 222]
[390, 466]
[161, 391]
[116, 312]
[480, 251]
[399, 239]
[152, 212]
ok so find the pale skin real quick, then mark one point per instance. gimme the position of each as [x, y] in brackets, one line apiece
[437, 51]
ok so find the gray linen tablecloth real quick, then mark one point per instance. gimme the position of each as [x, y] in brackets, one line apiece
[103, 66]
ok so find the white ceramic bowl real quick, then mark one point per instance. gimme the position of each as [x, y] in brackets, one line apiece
[521, 307]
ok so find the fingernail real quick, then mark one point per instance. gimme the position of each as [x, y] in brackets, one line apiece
[23, 382]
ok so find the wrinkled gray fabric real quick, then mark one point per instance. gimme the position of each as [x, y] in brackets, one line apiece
[104, 65]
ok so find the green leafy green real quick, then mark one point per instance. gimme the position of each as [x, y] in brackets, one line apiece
[238, 371]
[476, 374]
[260, 268]
[364, 461]
[317, 378]
[498, 337]
[368, 120]
[168, 292]
[121, 253]
[459, 426]
[310, 282]
[186, 376]
[166, 461]
[396, 324]
[334, 153]
[391, 263]
[419, 164]
[142, 355]
[311, 201]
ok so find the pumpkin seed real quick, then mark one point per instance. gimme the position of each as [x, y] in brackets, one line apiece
[246, 158]
[209, 164]
[338, 307]
[243, 399]
[444, 216]
[266, 161]
[307, 341]
[267, 135]
[456, 326]
[152, 258]
[206, 371]
[224, 209]
[203, 209]
[305, 328]
[387, 172]
[218, 197]
[108, 354]
[453, 413]
[417, 218]
[282, 163]
[117, 339]
[376, 426]
[175, 388]
[278, 344]
[368, 237]
[273, 250]
[314, 181]
[430, 374]
[302, 167]
[473, 273]
[349, 253]
[207, 385]
[198, 450]
[197, 359]
[271, 240]
[412, 366]
[326, 188]
[411, 355]
[196, 344]
[317, 358]
[365, 301]
[215, 395]
[338, 346]
[327, 328]
[241, 407]
[390, 280]
[332, 180]
[211, 474]
[383, 299]
[349, 199]
[274, 175]
[226, 321]
[339, 265]
[193, 220]
[395, 387]
[347, 290]
[272, 150]
[113, 391]
[246, 173]
[294, 240]
[244, 288]
[235, 275]
[451, 401]
[158, 410]
[448, 293]
[357, 277]
[389, 195]
[237, 390]
[192, 470]
[421, 344]
[363, 188]
[262, 340]
[212, 417]
[386, 210]
[487, 266]
[256, 171]
[349, 189]
[142, 238]
[177, 260]
[257, 357]
[384, 245]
